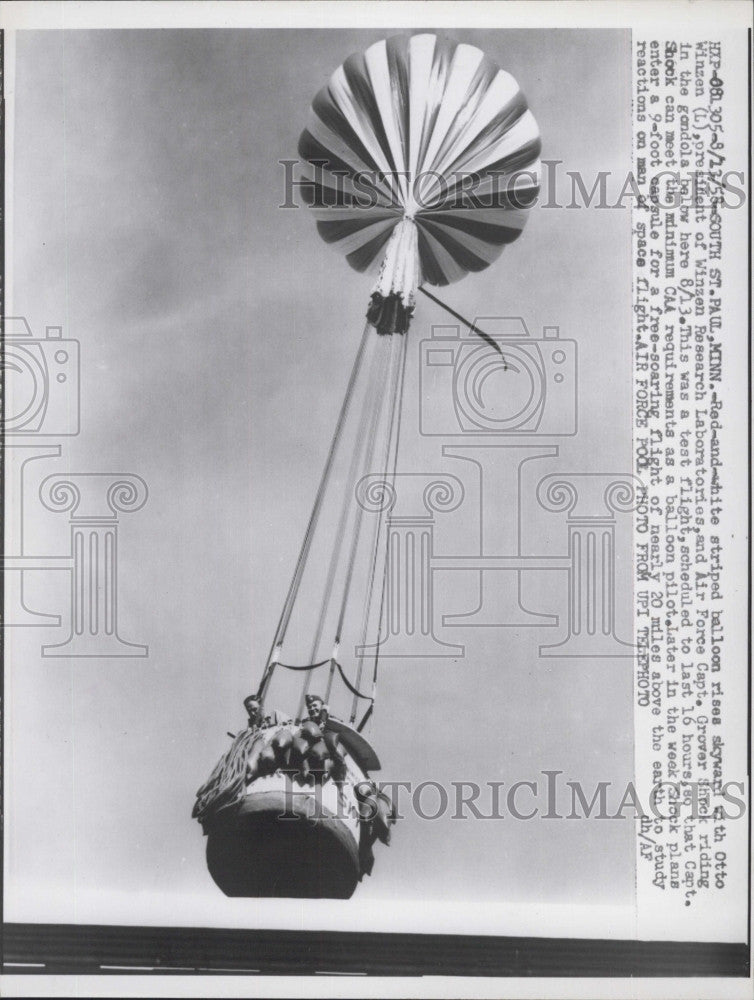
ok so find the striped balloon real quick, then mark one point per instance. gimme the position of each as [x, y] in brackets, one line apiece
[422, 158]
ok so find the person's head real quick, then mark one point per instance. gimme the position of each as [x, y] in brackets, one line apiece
[253, 706]
[314, 705]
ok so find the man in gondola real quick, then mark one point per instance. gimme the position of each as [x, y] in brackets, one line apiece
[253, 708]
[257, 720]
[318, 711]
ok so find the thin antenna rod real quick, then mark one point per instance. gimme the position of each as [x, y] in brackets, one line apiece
[475, 329]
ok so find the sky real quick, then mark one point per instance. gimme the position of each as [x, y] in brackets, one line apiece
[216, 336]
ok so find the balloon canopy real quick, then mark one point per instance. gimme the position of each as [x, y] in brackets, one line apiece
[423, 159]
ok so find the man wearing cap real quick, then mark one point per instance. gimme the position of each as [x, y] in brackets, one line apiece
[318, 711]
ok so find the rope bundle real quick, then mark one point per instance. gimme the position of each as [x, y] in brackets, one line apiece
[227, 782]
[393, 297]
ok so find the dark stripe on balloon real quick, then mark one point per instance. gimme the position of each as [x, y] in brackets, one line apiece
[460, 254]
[441, 59]
[312, 150]
[522, 158]
[332, 232]
[333, 118]
[431, 270]
[323, 196]
[357, 76]
[361, 259]
[522, 196]
[494, 131]
[483, 76]
[488, 232]
[397, 62]
[335, 195]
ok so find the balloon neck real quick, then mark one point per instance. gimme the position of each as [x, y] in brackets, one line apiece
[389, 314]
[394, 295]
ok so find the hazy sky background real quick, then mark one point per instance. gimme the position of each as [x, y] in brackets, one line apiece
[216, 334]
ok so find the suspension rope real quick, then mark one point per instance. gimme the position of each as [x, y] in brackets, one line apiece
[359, 508]
[348, 502]
[367, 423]
[354, 691]
[395, 411]
[314, 517]
[365, 717]
[300, 666]
[378, 640]
[331, 676]
[474, 329]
